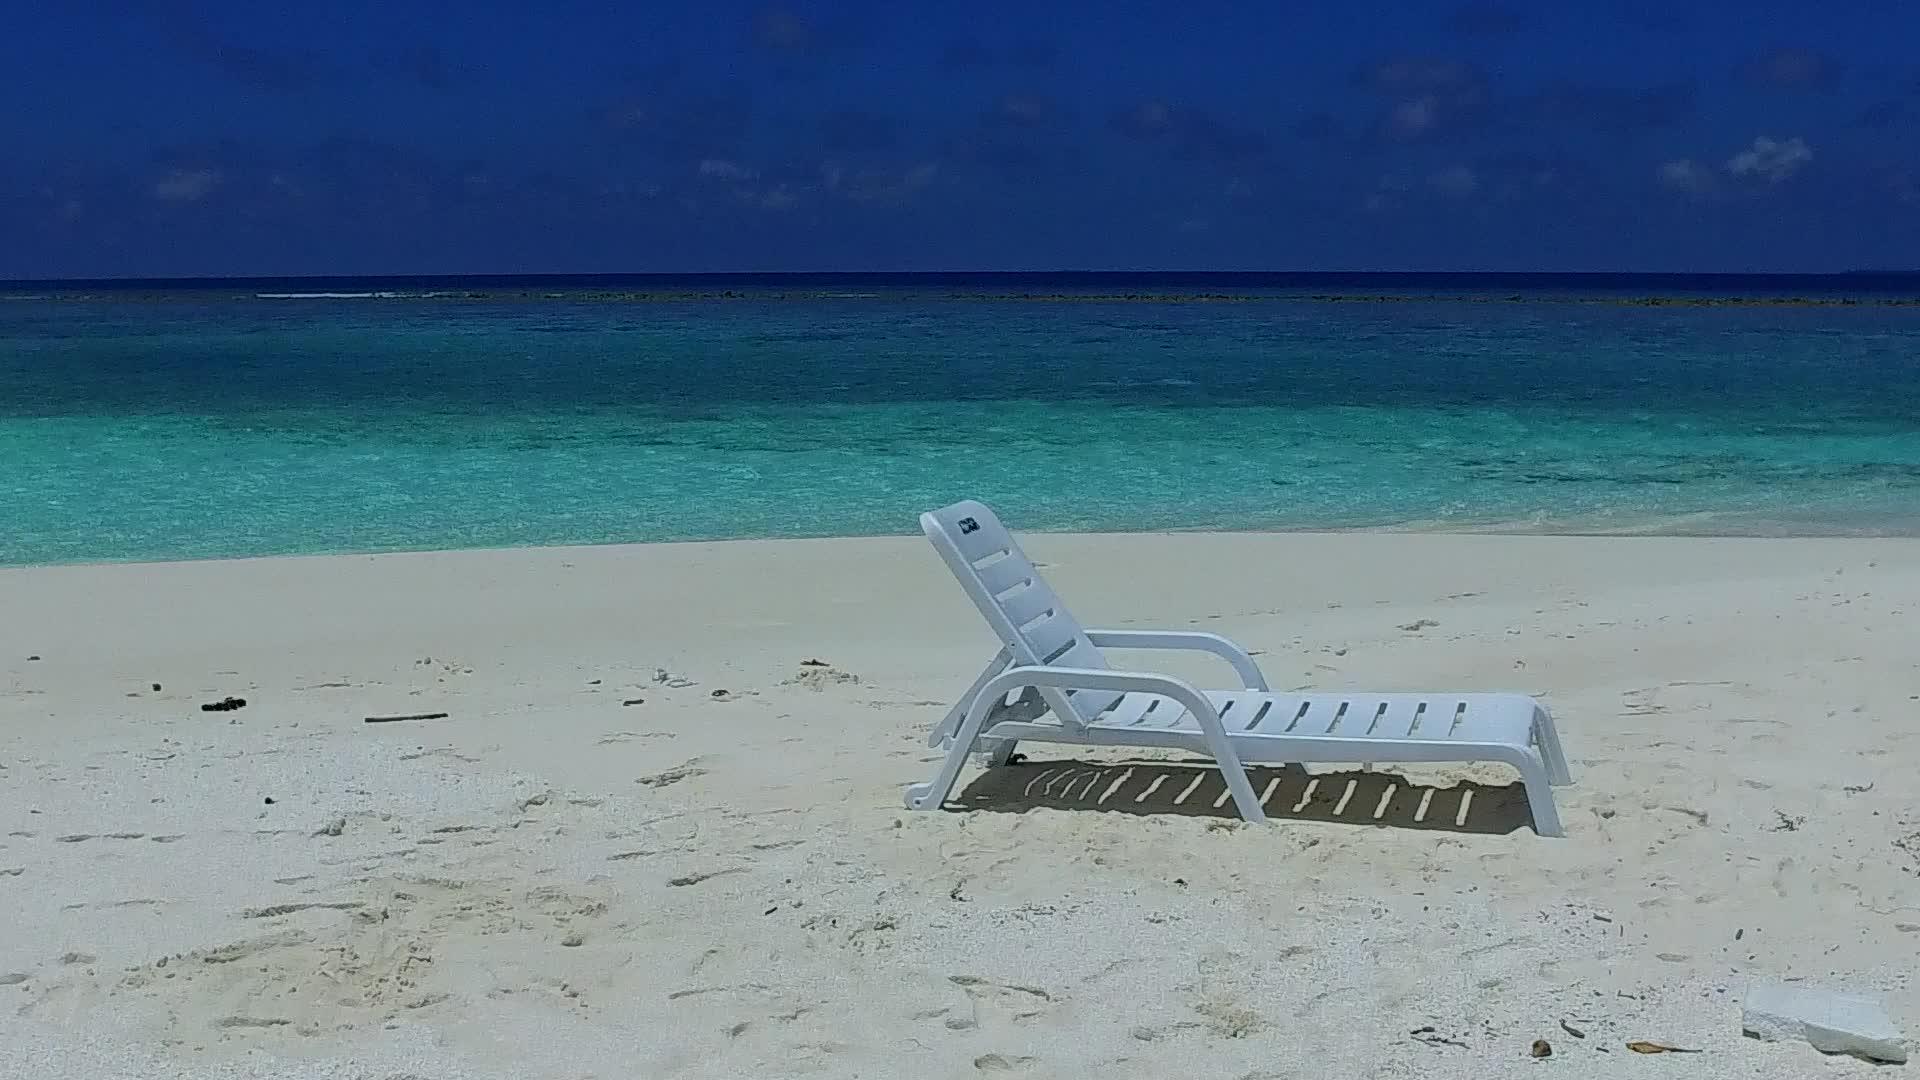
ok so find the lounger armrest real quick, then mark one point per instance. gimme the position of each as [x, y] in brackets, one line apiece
[1187, 640]
[1145, 682]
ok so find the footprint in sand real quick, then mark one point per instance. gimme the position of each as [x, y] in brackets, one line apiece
[998, 1004]
[1003, 1063]
[614, 737]
[1228, 1019]
[341, 963]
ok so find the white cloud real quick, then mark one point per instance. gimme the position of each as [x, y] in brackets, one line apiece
[884, 185]
[1414, 117]
[778, 198]
[1386, 194]
[187, 185]
[1028, 111]
[1151, 118]
[1458, 181]
[722, 169]
[1686, 174]
[1770, 159]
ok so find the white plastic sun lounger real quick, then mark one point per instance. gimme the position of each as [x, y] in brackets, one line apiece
[1057, 667]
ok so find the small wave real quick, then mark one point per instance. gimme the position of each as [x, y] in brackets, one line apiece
[325, 295]
[1131, 384]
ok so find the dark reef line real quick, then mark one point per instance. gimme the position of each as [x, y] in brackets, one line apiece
[630, 297]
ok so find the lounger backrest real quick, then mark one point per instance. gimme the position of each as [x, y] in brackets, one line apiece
[1029, 618]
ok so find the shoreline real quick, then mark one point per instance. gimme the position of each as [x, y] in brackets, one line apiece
[1666, 529]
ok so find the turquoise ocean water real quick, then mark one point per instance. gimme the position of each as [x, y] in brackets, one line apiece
[169, 422]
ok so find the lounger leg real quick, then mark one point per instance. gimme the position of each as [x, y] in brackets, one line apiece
[1244, 798]
[1548, 739]
[933, 794]
[1533, 777]
[999, 751]
[950, 723]
[1231, 770]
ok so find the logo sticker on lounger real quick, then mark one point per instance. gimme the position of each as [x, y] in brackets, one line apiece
[968, 525]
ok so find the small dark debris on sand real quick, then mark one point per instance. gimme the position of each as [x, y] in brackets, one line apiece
[1643, 1046]
[671, 776]
[695, 879]
[817, 675]
[1432, 1037]
[224, 705]
[406, 716]
[634, 701]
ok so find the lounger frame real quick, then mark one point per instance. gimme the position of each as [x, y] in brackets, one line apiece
[1050, 682]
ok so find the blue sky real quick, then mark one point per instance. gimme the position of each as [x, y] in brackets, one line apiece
[184, 137]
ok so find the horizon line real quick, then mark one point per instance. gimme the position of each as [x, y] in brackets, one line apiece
[6, 282]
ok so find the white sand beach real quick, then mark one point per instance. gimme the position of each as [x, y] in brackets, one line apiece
[587, 869]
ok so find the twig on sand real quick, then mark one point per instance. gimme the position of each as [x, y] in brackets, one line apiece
[1642, 1046]
[1433, 1038]
[408, 716]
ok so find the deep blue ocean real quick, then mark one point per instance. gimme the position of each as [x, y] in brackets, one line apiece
[166, 420]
